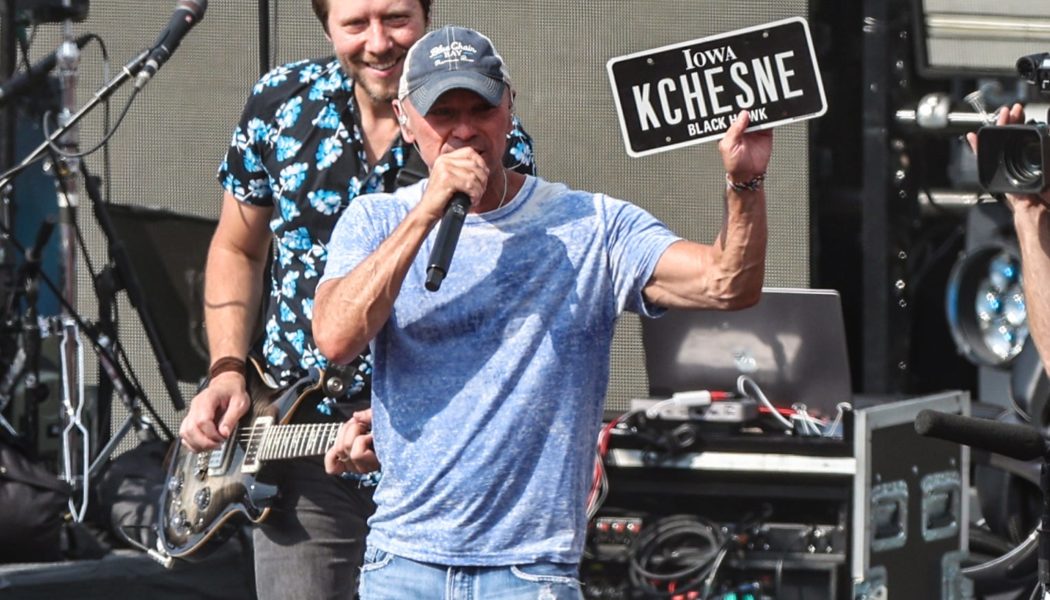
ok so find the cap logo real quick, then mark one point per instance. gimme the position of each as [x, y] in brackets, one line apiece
[451, 54]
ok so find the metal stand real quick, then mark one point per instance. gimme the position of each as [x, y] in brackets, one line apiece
[1018, 442]
[1043, 554]
[121, 274]
[76, 440]
[8, 53]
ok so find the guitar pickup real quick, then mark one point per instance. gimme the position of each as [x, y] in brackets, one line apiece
[256, 437]
[218, 459]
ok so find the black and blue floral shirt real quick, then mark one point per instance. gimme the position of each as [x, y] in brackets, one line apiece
[298, 147]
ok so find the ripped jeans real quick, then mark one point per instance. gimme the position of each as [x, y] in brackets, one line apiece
[385, 576]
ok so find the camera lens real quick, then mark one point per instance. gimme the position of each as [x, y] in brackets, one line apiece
[1023, 162]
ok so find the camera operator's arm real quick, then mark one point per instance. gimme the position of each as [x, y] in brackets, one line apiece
[1032, 224]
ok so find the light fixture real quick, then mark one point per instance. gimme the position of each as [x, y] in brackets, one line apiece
[985, 305]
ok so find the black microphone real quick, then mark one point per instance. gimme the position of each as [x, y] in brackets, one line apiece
[187, 14]
[1016, 441]
[43, 234]
[447, 237]
[18, 84]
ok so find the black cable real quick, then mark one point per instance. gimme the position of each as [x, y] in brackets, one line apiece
[106, 116]
[105, 139]
[679, 551]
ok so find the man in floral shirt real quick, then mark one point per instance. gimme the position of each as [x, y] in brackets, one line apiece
[313, 136]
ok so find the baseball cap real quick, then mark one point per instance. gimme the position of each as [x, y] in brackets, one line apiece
[452, 58]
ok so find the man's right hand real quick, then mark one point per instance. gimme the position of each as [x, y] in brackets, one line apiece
[462, 170]
[214, 412]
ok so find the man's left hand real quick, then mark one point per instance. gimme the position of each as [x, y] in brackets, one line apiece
[353, 450]
[745, 155]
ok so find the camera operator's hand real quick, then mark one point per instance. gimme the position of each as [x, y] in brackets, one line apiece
[1013, 115]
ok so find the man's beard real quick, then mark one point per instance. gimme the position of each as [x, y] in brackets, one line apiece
[376, 92]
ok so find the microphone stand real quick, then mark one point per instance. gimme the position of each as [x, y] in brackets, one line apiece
[1027, 444]
[76, 441]
[127, 72]
[1043, 548]
[8, 54]
[120, 274]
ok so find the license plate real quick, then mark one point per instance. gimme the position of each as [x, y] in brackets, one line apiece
[691, 92]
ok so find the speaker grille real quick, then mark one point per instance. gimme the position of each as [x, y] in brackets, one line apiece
[982, 36]
[167, 152]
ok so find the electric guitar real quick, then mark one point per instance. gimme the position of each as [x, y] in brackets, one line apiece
[207, 493]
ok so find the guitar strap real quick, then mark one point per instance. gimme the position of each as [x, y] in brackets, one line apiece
[349, 385]
[414, 168]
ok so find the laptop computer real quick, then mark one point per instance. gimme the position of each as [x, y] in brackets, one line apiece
[792, 344]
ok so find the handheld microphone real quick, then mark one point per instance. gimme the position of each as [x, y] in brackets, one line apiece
[445, 243]
[1016, 441]
[18, 84]
[187, 14]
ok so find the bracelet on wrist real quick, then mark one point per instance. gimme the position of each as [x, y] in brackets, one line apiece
[751, 185]
[224, 365]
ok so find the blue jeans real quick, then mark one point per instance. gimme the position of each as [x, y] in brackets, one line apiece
[385, 576]
[312, 543]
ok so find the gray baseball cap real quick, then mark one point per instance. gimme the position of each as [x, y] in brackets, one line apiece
[452, 58]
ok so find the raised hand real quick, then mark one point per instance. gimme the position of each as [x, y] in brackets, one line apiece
[745, 155]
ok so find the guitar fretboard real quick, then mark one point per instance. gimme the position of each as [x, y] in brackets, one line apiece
[293, 441]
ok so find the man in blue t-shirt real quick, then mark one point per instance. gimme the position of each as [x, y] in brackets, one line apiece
[487, 393]
[313, 136]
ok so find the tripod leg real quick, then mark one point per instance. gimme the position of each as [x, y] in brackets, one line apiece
[75, 430]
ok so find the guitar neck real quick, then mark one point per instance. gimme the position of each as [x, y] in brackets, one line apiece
[298, 440]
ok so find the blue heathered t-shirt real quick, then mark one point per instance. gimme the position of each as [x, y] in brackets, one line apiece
[487, 395]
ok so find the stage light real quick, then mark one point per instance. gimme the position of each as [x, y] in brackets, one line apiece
[985, 305]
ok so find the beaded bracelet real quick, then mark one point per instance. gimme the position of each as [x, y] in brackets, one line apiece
[751, 185]
[224, 364]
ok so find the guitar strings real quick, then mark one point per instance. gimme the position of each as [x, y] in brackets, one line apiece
[253, 434]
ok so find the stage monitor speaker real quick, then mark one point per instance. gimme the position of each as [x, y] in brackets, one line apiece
[167, 252]
[979, 37]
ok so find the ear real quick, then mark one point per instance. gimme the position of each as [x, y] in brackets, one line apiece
[402, 122]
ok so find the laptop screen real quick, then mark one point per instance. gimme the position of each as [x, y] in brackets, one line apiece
[792, 343]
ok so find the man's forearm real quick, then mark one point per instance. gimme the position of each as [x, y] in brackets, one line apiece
[350, 311]
[1032, 222]
[743, 242]
[232, 293]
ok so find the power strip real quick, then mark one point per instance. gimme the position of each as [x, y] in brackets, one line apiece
[695, 408]
[743, 410]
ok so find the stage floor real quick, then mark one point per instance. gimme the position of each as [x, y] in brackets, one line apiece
[227, 575]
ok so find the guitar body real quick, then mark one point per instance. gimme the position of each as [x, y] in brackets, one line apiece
[207, 493]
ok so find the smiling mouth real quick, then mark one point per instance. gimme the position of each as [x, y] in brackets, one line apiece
[383, 66]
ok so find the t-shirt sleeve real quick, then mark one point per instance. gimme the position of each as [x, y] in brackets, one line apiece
[635, 241]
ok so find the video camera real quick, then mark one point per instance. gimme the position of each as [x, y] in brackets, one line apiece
[1015, 159]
